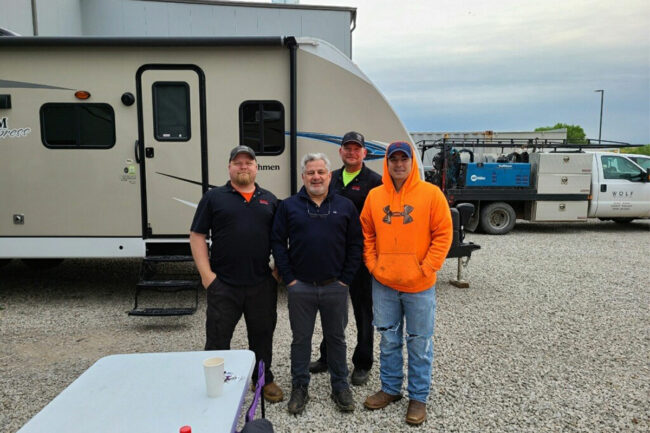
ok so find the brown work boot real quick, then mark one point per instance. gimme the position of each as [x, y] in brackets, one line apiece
[273, 393]
[416, 413]
[380, 400]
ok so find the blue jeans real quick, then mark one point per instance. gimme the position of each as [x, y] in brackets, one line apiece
[390, 308]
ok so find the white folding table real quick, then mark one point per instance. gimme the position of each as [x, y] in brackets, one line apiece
[148, 393]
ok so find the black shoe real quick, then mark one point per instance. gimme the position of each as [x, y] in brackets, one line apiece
[317, 366]
[359, 376]
[343, 400]
[298, 400]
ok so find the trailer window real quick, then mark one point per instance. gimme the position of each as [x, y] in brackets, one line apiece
[171, 111]
[77, 126]
[261, 126]
[616, 167]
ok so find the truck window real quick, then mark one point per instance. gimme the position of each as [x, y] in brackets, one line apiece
[616, 167]
[643, 162]
[261, 126]
[77, 126]
[171, 111]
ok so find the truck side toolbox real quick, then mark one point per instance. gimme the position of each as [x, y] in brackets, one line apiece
[558, 211]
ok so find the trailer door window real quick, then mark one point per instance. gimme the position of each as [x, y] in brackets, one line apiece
[77, 126]
[616, 167]
[171, 111]
[261, 126]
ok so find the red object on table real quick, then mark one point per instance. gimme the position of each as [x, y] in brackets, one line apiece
[186, 429]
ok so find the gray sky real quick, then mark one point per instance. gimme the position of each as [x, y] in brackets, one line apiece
[470, 65]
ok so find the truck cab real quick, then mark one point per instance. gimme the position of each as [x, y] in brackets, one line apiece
[620, 190]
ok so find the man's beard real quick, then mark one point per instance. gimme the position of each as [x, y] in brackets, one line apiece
[243, 179]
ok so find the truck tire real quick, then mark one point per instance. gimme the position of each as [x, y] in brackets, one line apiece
[42, 264]
[622, 220]
[498, 218]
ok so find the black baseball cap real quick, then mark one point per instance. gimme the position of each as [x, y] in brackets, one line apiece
[242, 149]
[353, 137]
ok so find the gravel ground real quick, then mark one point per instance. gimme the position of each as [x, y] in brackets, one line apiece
[552, 335]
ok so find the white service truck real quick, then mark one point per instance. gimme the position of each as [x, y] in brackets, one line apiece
[556, 186]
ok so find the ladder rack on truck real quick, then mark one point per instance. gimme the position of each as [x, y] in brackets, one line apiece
[518, 183]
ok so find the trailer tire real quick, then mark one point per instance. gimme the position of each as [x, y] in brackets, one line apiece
[623, 220]
[41, 264]
[498, 218]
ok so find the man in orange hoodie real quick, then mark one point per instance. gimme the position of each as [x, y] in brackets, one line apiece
[407, 232]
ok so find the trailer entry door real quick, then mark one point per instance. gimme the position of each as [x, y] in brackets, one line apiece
[171, 149]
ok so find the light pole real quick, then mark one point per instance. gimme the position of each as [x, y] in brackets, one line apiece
[600, 128]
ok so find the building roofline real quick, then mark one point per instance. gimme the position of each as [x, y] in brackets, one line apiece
[161, 41]
[350, 9]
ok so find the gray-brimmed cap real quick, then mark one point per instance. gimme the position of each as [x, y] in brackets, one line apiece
[242, 149]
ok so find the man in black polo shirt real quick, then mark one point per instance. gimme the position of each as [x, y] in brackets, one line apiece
[237, 276]
[354, 181]
[317, 245]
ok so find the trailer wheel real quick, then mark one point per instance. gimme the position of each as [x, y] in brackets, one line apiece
[622, 220]
[42, 264]
[498, 218]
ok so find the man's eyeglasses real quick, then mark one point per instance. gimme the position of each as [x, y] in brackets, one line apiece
[319, 215]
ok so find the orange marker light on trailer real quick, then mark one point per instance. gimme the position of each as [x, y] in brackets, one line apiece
[82, 94]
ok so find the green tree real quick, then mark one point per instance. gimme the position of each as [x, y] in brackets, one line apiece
[574, 133]
[642, 150]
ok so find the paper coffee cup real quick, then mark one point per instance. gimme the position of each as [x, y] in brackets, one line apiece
[213, 368]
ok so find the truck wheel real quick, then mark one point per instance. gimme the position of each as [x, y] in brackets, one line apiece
[498, 218]
[622, 220]
[42, 264]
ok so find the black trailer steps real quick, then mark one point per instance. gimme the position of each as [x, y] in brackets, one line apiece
[166, 275]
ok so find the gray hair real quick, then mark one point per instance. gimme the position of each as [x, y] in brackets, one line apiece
[315, 157]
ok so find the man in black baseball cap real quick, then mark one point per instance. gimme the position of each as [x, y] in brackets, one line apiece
[354, 180]
[236, 275]
[242, 149]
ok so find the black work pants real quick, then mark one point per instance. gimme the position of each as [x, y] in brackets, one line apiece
[258, 304]
[361, 297]
[331, 300]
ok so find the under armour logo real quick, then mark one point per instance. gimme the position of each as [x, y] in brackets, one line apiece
[406, 214]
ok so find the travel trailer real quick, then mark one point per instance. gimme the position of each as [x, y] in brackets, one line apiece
[107, 144]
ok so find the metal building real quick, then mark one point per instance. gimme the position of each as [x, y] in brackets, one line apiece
[178, 18]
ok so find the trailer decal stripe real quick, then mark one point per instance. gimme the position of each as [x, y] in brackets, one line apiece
[26, 85]
[184, 180]
[189, 203]
[376, 150]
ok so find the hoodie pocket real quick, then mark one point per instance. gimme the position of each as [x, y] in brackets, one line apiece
[399, 269]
